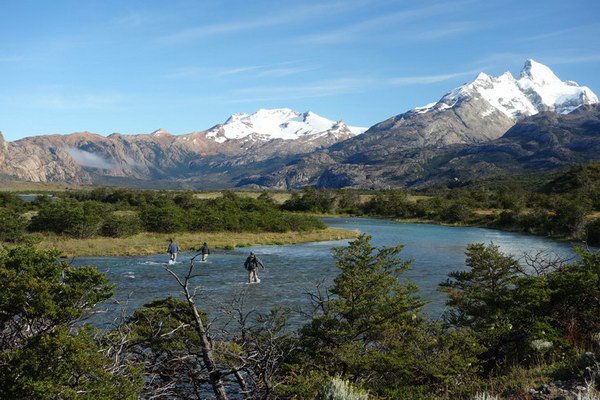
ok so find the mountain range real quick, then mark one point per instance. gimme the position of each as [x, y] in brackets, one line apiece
[487, 127]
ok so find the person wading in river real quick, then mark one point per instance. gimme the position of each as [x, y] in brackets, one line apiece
[205, 251]
[252, 263]
[173, 249]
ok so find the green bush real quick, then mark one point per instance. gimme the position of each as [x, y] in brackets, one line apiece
[12, 225]
[121, 225]
[457, 212]
[42, 354]
[368, 329]
[162, 218]
[593, 233]
[312, 200]
[70, 217]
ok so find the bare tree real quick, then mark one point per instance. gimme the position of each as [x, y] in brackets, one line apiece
[214, 374]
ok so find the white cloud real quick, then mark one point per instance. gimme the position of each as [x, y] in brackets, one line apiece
[293, 15]
[385, 23]
[428, 79]
[272, 70]
[88, 159]
[308, 90]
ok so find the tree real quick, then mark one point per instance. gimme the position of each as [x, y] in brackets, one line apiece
[518, 312]
[68, 216]
[367, 329]
[163, 217]
[575, 298]
[12, 225]
[42, 353]
[183, 353]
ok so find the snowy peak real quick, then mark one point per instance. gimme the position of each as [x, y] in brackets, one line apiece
[537, 89]
[539, 73]
[281, 123]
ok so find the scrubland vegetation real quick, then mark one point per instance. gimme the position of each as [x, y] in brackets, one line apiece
[508, 326]
[566, 207]
[107, 221]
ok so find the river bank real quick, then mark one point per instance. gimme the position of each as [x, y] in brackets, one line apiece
[155, 243]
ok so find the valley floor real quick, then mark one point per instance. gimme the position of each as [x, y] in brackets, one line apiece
[153, 243]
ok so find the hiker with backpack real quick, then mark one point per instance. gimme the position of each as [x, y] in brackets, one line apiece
[251, 264]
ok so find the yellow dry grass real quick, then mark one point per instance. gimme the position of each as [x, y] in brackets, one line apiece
[281, 197]
[24, 186]
[278, 197]
[153, 243]
[488, 211]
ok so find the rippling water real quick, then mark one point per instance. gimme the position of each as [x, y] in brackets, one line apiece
[293, 270]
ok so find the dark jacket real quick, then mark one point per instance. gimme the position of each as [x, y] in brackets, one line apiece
[205, 249]
[252, 263]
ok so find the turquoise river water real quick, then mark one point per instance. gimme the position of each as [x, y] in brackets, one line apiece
[293, 270]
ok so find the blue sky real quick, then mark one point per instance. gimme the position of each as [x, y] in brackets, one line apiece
[182, 65]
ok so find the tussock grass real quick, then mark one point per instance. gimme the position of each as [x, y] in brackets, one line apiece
[25, 186]
[282, 197]
[153, 243]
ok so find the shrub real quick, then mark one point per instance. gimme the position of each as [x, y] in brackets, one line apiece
[121, 225]
[593, 233]
[68, 216]
[12, 225]
[457, 212]
[163, 218]
[312, 200]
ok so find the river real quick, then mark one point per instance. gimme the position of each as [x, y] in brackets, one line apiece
[293, 270]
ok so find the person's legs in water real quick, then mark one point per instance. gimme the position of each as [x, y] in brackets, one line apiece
[174, 257]
[249, 276]
[204, 257]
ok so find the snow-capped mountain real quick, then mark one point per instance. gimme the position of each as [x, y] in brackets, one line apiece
[281, 123]
[406, 148]
[271, 137]
[537, 89]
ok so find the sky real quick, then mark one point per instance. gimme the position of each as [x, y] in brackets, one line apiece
[135, 66]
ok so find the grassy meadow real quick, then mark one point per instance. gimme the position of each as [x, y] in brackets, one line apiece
[146, 243]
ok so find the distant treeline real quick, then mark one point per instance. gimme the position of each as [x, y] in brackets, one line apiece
[562, 208]
[123, 212]
[566, 206]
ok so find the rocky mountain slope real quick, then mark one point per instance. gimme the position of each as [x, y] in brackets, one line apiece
[197, 159]
[488, 126]
[541, 142]
[404, 149]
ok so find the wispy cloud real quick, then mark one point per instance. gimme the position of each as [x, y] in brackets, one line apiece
[451, 29]
[383, 23]
[293, 92]
[563, 32]
[293, 15]
[272, 70]
[336, 87]
[429, 79]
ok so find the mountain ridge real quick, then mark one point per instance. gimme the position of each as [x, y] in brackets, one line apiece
[283, 148]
